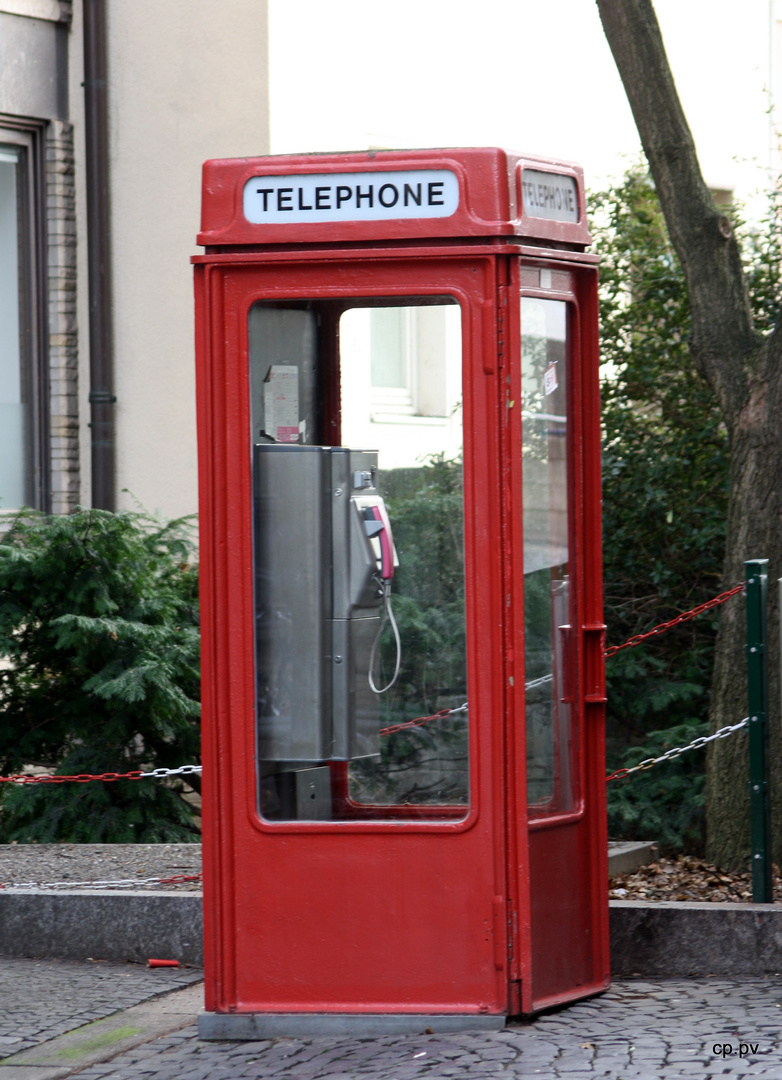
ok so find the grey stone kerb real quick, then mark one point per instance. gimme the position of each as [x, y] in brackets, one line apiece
[670, 938]
[77, 924]
[666, 939]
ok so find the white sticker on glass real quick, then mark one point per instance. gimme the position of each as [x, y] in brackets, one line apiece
[550, 379]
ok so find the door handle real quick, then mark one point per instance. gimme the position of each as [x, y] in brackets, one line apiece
[594, 662]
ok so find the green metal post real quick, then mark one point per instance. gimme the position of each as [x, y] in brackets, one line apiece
[757, 686]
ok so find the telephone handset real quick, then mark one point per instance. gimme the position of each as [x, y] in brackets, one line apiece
[378, 527]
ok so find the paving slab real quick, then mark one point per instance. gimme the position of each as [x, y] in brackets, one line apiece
[41, 999]
[104, 1039]
[624, 856]
[39, 863]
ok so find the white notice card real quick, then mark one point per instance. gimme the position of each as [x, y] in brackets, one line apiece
[281, 403]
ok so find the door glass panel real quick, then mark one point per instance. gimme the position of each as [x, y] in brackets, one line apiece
[420, 477]
[547, 566]
[360, 617]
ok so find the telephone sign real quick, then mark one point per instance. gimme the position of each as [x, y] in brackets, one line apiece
[549, 195]
[432, 193]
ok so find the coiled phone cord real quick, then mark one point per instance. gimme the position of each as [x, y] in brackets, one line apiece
[388, 616]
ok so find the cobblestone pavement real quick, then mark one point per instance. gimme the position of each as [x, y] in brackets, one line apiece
[40, 999]
[653, 1030]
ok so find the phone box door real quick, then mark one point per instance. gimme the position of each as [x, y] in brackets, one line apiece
[372, 879]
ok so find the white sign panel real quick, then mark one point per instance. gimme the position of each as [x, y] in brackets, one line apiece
[359, 196]
[281, 403]
[549, 195]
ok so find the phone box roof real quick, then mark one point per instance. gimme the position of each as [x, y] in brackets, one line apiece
[392, 195]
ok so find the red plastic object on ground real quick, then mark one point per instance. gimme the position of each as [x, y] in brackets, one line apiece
[162, 963]
[438, 310]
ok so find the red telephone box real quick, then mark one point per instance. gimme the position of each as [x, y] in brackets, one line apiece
[398, 421]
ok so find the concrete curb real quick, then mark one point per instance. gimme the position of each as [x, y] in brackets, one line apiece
[77, 924]
[677, 938]
[667, 939]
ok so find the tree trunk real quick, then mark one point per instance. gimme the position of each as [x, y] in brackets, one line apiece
[745, 373]
[753, 532]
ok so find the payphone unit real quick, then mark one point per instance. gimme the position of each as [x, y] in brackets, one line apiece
[324, 561]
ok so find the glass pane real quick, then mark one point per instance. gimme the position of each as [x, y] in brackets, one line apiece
[15, 465]
[547, 599]
[389, 350]
[420, 479]
[353, 546]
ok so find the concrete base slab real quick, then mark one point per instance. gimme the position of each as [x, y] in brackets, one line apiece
[678, 938]
[104, 1039]
[254, 1026]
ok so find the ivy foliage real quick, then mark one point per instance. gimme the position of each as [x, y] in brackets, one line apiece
[666, 459]
[99, 646]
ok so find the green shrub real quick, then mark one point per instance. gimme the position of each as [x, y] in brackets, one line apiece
[666, 460]
[665, 490]
[100, 643]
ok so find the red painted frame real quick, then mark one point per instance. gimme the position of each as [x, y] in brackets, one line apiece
[578, 837]
[419, 915]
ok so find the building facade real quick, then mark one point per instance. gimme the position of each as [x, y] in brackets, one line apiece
[107, 110]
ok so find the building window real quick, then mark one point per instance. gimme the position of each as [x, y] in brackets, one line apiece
[392, 358]
[401, 379]
[23, 443]
[408, 355]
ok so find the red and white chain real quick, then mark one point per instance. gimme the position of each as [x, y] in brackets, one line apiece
[393, 728]
[121, 883]
[647, 763]
[185, 770]
[699, 610]
[83, 778]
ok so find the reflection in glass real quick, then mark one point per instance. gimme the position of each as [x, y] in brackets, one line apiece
[547, 599]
